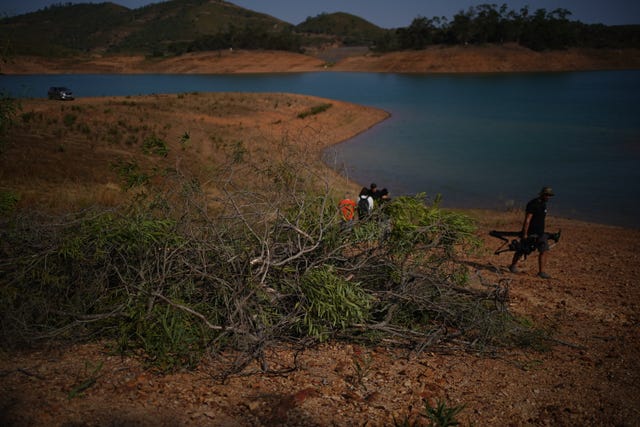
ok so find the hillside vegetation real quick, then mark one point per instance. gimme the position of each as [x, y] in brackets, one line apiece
[349, 29]
[106, 27]
[177, 27]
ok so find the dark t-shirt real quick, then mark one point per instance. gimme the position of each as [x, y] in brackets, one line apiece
[538, 208]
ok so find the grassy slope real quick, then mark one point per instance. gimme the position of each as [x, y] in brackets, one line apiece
[62, 154]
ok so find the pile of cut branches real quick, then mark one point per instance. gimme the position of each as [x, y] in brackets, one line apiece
[178, 275]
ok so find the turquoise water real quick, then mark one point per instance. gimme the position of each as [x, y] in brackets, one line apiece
[480, 140]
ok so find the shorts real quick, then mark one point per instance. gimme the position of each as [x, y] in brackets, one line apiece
[542, 243]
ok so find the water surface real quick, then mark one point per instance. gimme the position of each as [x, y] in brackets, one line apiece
[484, 141]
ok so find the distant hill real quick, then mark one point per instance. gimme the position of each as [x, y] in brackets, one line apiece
[106, 27]
[175, 27]
[350, 29]
[63, 30]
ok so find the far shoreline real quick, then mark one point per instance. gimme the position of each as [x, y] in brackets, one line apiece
[508, 58]
[462, 60]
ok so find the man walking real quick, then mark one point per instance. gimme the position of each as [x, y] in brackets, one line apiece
[533, 227]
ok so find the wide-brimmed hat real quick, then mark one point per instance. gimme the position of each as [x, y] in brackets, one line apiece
[547, 191]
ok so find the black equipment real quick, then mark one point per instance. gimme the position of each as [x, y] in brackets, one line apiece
[521, 246]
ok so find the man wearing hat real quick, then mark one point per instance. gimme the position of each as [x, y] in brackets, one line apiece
[535, 214]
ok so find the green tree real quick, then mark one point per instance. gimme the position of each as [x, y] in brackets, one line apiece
[460, 29]
[421, 33]
[488, 24]
[548, 30]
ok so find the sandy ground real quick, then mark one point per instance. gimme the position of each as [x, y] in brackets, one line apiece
[590, 375]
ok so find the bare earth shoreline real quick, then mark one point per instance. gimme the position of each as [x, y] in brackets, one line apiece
[507, 58]
[589, 377]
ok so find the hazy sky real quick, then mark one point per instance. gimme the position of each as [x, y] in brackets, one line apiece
[389, 13]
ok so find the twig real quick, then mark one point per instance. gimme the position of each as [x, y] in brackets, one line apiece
[31, 374]
[202, 317]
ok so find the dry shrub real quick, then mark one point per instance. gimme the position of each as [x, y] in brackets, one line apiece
[178, 275]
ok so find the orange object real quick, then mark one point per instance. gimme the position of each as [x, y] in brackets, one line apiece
[348, 209]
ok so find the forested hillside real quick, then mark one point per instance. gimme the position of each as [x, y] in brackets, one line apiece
[177, 27]
[487, 23]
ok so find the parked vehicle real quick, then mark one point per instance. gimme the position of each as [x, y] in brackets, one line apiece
[61, 93]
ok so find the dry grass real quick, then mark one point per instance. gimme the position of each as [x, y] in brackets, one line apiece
[62, 155]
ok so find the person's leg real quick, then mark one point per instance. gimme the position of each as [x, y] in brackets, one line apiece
[516, 257]
[542, 262]
[543, 248]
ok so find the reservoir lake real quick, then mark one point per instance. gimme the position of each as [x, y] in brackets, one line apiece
[480, 140]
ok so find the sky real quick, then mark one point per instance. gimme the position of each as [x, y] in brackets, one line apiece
[387, 13]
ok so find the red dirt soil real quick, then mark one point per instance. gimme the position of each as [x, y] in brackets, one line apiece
[589, 377]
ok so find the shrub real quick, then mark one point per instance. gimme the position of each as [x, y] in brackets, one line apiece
[175, 276]
[8, 201]
[28, 116]
[130, 174]
[439, 416]
[330, 303]
[69, 120]
[417, 223]
[155, 145]
[169, 337]
[314, 110]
